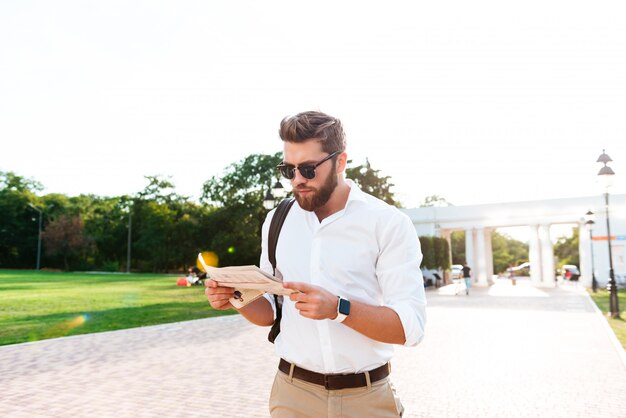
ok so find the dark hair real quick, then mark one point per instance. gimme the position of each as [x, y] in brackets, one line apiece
[314, 125]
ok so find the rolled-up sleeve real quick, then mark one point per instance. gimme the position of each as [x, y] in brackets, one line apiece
[398, 272]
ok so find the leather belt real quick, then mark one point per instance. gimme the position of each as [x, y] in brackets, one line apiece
[335, 381]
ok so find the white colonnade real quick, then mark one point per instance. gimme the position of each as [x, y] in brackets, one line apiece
[541, 255]
[479, 221]
[478, 254]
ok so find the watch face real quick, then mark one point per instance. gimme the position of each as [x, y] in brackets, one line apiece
[344, 307]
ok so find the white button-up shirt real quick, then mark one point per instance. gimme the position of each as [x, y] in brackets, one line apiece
[367, 252]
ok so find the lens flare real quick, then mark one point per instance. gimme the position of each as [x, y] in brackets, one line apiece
[60, 329]
[76, 322]
[210, 259]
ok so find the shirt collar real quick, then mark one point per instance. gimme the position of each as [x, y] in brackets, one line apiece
[356, 194]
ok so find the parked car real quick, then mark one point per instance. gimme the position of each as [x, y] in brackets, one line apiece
[431, 278]
[570, 272]
[456, 271]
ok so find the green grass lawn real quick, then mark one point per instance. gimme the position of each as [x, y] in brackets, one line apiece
[39, 305]
[601, 298]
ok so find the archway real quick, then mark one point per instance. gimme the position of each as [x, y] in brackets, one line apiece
[479, 221]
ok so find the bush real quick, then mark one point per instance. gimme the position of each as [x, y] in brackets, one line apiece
[435, 251]
[111, 266]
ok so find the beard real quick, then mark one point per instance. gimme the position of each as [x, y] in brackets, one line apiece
[317, 199]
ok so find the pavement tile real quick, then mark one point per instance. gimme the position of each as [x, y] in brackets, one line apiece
[504, 351]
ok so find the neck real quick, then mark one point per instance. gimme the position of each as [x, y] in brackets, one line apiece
[337, 201]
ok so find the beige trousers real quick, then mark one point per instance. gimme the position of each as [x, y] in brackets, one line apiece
[291, 398]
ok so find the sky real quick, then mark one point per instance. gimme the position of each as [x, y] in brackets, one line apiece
[477, 102]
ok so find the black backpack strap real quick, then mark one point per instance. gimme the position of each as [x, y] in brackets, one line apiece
[272, 239]
[275, 226]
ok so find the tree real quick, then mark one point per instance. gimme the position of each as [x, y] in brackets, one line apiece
[457, 239]
[18, 222]
[428, 252]
[168, 230]
[442, 250]
[106, 222]
[159, 190]
[64, 237]
[370, 181]
[507, 251]
[434, 252]
[11, 181]
[244, 182]
[566, 249]
[236, 222]
[434, 200]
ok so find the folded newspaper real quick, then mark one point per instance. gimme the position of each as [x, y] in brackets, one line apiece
[250, 282]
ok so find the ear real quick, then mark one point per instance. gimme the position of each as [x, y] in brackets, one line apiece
[342, 160]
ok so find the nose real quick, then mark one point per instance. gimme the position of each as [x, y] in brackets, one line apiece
[298, 178]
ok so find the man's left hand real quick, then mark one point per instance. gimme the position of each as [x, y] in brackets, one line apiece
[313, 302]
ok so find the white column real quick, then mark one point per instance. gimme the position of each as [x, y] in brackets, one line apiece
[489, 256]
[481, 258]
[470, 258]
[534, 254]
[584, 251]
[547, 256]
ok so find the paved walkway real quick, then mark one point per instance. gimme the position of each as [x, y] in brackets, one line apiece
[506, 351]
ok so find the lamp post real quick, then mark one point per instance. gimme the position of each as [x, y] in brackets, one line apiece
[606, 174]
[130, 231]
[39, 237]
[589, 217]
[272, 196]
[126, 207]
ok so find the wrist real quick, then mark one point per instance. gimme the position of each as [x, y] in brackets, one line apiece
[343, 309]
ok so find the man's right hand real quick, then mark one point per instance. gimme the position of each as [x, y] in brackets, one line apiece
[218, 295]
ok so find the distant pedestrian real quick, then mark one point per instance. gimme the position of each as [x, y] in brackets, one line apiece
[511, 271]
[467, 275]
[195, 276]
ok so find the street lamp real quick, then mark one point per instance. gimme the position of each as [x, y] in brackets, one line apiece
[127, 207]
[589, 218]
[130, 232]
[39, 237]
[606, 174]
[274, 195]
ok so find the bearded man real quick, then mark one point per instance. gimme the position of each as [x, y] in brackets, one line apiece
[354, 262]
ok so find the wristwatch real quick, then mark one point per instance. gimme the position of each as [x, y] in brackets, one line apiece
[343, 309]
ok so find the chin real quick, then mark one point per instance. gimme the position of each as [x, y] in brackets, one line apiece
[305, 203]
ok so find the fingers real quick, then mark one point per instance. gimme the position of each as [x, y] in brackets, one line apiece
[213, 288]
[299, 286]
[218, 290]
[218, 296]
[312, 301]
[312, 310]
[300, 297]
[304, 291]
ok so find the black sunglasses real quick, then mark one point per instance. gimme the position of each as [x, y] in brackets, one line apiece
[288, 171]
